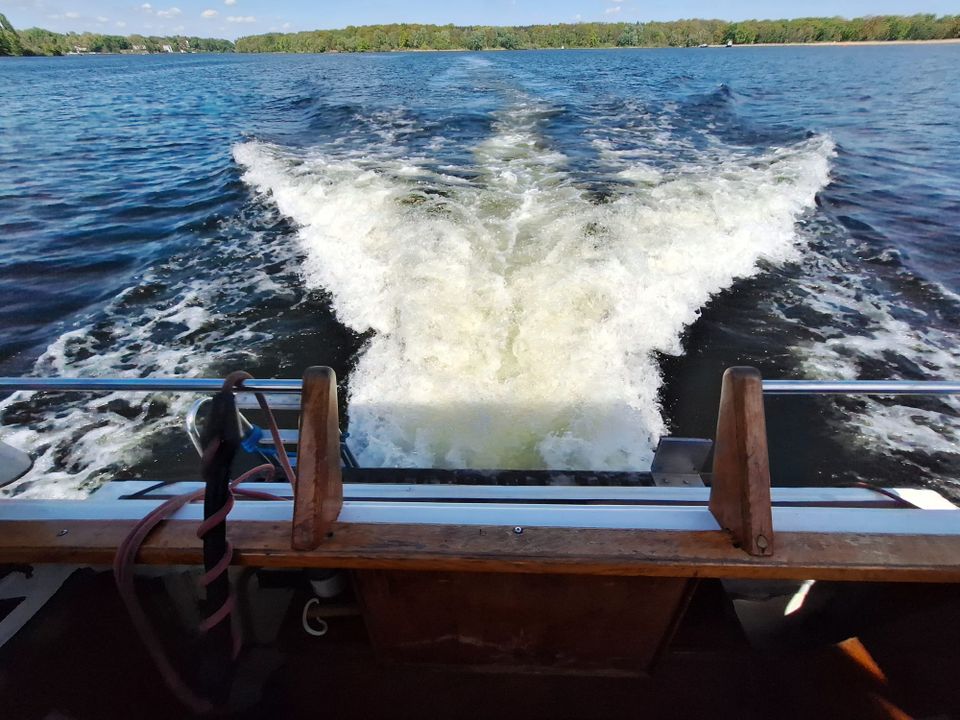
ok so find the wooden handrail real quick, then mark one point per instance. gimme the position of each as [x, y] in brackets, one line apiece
[740, 491]
[800, 555]
[318, 496]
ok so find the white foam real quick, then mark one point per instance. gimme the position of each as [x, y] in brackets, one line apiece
[72, 446]
[516, 320]
[74, 443]
[881, 336]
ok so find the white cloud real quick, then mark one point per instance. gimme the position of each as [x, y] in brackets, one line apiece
[169, 13]
[612, 10]
[241, 18]
[229, 2]
[102, 19]
[71, 15]
[121, 23]
[209, 13]
[287, 26]
[147, 8]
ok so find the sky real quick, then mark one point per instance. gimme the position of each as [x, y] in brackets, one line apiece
[233, 18]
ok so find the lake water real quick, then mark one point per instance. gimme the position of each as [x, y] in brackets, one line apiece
[512, 259]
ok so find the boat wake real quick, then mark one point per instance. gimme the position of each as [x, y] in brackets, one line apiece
[506, 277]
[516, 315]
[859, 325]
[199, 312]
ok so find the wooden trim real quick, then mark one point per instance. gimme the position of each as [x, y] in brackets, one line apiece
[855, 557]
[318, 496]
[740, 491]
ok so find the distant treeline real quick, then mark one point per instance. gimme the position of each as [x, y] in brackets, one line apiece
[44, 42]
[679, 33]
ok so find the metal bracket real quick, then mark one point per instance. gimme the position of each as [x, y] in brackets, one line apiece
[36, 587]
[678, 462]
[14, 464]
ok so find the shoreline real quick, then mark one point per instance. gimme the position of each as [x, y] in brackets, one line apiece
[825, 43]
[832, 43]
[849, 43]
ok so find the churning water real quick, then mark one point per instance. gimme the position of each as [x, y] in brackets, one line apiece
[536, 259]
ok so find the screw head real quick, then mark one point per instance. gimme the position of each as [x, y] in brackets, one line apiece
[61, 533]
[518, 530]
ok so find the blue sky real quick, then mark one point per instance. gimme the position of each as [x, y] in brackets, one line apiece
[232, 18]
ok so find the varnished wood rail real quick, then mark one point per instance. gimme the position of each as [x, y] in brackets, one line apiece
[740, 491]
[318, 496]
[800, 555]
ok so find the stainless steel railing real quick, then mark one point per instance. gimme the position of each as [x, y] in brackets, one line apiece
[209, 385]
[860, 387]
[202, 385]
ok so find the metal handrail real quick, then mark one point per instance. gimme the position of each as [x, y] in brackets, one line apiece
[210, 385]
[860, 387]
[202, 385]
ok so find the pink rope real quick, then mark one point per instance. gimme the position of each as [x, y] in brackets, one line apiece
[126, 554]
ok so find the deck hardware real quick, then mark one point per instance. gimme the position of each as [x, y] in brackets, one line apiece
[63, 532]
[518, 530]
[14, 464]
[679, 461]
[32, 588]
[321, 625]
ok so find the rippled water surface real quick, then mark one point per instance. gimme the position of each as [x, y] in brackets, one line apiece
[532, 259]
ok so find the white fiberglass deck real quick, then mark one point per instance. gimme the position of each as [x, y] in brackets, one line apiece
[623, 508]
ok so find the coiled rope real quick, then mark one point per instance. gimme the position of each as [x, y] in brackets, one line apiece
[221, 440]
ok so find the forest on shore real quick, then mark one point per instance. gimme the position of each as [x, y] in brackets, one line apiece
[36, 41]
[679, 33]
[405, 36]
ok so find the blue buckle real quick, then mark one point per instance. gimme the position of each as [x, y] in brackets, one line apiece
[251, 441]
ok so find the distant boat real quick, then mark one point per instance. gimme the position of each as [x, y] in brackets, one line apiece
[729, 43]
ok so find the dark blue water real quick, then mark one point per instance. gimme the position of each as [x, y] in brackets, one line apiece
[457, 233]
